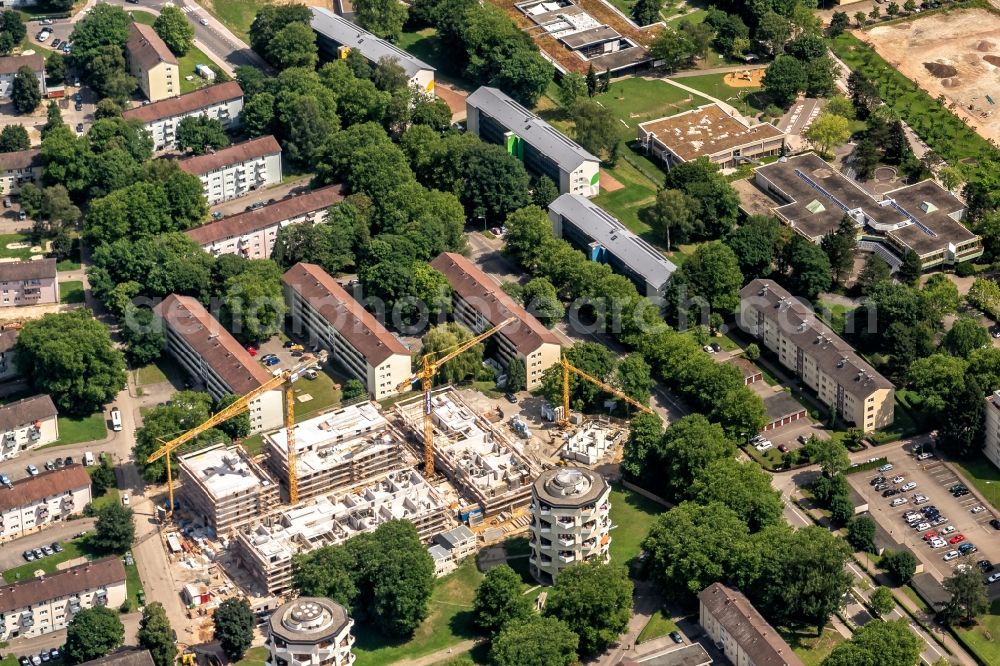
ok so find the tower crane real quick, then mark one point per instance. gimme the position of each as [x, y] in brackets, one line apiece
[568, 367]
[285, 379]
[428, 369]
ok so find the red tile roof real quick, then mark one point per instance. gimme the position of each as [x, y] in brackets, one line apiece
[89, 576]
[146, 47]
[189, 103]
[47, 484]
[237, 154]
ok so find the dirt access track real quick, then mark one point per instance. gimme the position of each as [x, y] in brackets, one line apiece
[955, 54]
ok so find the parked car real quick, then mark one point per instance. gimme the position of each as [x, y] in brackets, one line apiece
[885, 468]
[783, 448]
[908, 486]
[68, 460]
[78, 106]
[23, 661]
[44, 655]
[36, 660]
[47, 550]
[38, 553]
[890, 492]
[985, 566]
[511, 398]
[920, 499]
[880, 487]
[955, 488]
[940, 520]
[32, 470]
[676, 637]
[56, 547]
[125, 499]
[948, 530]
[993, 578]
[995, 524]
[56, 43]
[877, 480]
[310, 374]
[967, 548]
[28, 556]
[920, 527]
[898, 479]
[716, 347]
[49, 465]
[925, 456]
[961, 493]
[54, 653]
[899, 501]
[938, 543]
[979, 508]
[251, 350]
[5, 480]
[274, 360]
[958, 538]
[930, 535]
[951, 555]
[79, 128]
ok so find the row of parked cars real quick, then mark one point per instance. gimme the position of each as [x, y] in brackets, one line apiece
[56, 463]
[39, 553]
[39, 658]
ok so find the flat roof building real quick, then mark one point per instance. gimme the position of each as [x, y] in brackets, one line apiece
[842, 380]
[39, 501]
[18, 168]
[48, 603]
[545, 151]
[213, 357]
[27, 424]
[224, 488]
[603, 238]
[730, 620]
[251, 234]
[236, 171]
[709, 132]
[335, 33]
[323, 310]
[266, 551]
[479, 303]
[152, 64]
[486, 467]
[222, 102]
[28, 283]
[450, 548]
[311, 630]
[336, 450]
[812, 197]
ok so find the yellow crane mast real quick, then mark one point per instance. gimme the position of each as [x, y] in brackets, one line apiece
[285, 379]
[428, 369]
[568, 367]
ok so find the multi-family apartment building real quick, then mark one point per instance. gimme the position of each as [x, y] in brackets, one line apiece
[8, 354]
[28, 283]
[336, 450]
[603, 238]
[9, 66]
[991, 446]
[310, 630]
[709, 132]
[18, 168]
[251, 234]
[213, 357]
[48, 603]
[224, 489]
[740, 631]
[545, 151]
[237, 170]
[26, 424]
[450, 548]
[323, 310]
[126, 656]
[222, 102]
[570, 511]
[842, 380]
[478, 303]
[151, 63]
[336, 36]
[38, 501]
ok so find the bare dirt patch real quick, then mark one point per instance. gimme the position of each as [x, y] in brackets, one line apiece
[750, 78]
[954, 54]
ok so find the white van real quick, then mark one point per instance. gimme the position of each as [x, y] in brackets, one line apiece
[88, 458]
[116, 420]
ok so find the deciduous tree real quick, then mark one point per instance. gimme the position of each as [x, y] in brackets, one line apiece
[176, 32]
[383, 18]
[900, 564]
[784, 80]
[882, 601]
[596, 128]
[463, 367]
[499, 600]
[234, 627]
[839, 248]
[890, 643]
[114, 531]
[200, 134]
[14, 138]
[968, 596]
[538, 641]
[25, 92]
[861, 533]
[741, 486]
[156, 635]
[594, 599]
[92, 634]
[827, 132]
[541, 300]
[672, 216]
[253, 302]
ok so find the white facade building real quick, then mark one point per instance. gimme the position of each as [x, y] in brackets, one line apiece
[8, 70]
[222, 102]
[27, 424]
[213, 357]
[16, 169]
[237, 170]
[310, 631]
[39, 501]
[46, 604]
[992, 445]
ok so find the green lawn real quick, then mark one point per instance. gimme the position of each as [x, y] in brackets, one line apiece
[133, 585]
[425, 45]
[449, 622]
[186, 63]
[14, 253]
[161, 370]
[637, 100]
[811, 649]
[633, 515]
[517, 548]
[255, 656]
[112, 496]
[984, 476]
[68, 265]
[838, 315]
[237, 15]
[657, 627]
[71, 550]
[714, 85]
[324, 395]
[982, 638]
[73, 430]
[71, 292]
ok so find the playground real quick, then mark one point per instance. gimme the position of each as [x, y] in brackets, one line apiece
[953, 55]
[749, 78]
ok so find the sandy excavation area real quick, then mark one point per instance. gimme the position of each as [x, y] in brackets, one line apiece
[955, 54]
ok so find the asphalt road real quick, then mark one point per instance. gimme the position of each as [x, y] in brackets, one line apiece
[10, 553]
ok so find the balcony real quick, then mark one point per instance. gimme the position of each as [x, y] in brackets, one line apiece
[567, 540]
[567, 556]
[566, 521]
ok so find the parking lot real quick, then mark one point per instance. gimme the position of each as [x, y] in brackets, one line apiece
[933, 479]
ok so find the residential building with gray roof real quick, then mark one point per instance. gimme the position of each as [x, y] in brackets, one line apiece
[740, 631]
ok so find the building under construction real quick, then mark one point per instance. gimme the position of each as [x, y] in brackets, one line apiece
[481, 462]
[337, 450]
[224, 489]
[266, 549]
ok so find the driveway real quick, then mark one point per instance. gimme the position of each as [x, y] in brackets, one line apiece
[276, 193]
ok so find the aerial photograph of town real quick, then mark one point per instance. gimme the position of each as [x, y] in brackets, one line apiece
[500, 332]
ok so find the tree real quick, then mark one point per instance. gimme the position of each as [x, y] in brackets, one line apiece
[644, 434]
[234, 625]
[173, 28]
[784, 79]
[92, 634]
[499, 600]
[524, 75]
[892, 9]
[968, 596]
[237, 427]
[14, 138]
[811, 272]
[516, 376]
[909, 6]
[741, 486]
[352, 390]
[839, 23]
[70, 356]
[645, 12]
[143, 335]
[756, 243]
[25, 92]
[591, 81]
[890, 643]
[689, 444]
[541, 300]
[545, 192]
[718, 203]
[253, 304]
[965, 336]
[831, 456]
[673, 47]
[752, 351]
[200, 134]
[102, 478]
[594, 599]
[572, 88]
[272, 18]
[874, 271]
[710, 273]
[463, 367]
[861, 533]
[537, 641]
[293, 46]
[383, 18]
[839, 248]
[860, 18]
[828, 131]
[12, 31]
[495, 185]
[672, 216]
[909, 272]
[114, 531]
[901, 565]
[156, 635]
[951, 177]
[632, 376]
[66, 158]
[841, 510]
[961, 425]
[882, 601]
[595, 126]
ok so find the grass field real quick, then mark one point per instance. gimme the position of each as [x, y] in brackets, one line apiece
[324, 394]
[237, 15]
[449, 622]
[186, 63]
[984, 476]
[112, 496]
[425, 45]
[657, 627]
[255, 656]
[982, 637]
[812, 649]
[715, 85]
[14, 253]
[133, 585]
[633, 515]
[73, 430]
[71, 292]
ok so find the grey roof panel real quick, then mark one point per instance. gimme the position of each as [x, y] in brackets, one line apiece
[371, 47]
[522, 122]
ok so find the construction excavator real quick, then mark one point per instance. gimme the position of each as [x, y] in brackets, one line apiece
[285, 379]
[568, 368]
[429, 367]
